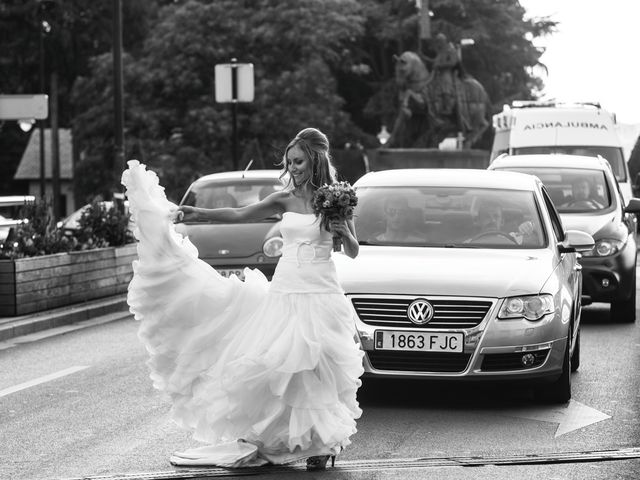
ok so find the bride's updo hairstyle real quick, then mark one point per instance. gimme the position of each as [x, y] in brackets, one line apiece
[315, 145]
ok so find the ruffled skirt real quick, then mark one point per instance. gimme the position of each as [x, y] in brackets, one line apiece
[259, 374]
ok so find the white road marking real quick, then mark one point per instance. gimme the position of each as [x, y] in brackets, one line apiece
[38, 381]
[572, 417]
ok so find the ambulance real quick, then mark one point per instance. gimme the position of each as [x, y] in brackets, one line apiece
[531, 127]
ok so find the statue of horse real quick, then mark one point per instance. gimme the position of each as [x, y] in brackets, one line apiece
[419, 123]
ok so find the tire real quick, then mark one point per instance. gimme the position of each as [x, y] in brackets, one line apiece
[575, 358]
[624, 311]
[560, 390]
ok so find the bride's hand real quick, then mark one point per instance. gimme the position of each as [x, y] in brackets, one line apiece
[183, 213]
[339, 226]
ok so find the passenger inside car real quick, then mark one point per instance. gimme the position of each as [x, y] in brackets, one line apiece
[224, 200]
[402, 223]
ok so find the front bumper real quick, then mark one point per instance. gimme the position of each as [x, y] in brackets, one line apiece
[493, 350]
[607, 279]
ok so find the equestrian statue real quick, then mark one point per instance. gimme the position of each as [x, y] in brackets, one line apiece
[438, 104]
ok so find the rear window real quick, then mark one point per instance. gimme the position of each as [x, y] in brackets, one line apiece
[612, 154]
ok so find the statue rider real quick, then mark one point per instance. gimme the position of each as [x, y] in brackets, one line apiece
[445, 69]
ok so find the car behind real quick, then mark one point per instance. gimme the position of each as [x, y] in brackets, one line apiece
[229, 248]
[10, 212]
[588, 198]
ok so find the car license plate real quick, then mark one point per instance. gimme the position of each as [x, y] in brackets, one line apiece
[419, 341]
[227, 272]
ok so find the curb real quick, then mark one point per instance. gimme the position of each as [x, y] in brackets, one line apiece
[12, 327]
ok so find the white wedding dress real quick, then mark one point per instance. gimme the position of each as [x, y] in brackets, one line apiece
[260, 371]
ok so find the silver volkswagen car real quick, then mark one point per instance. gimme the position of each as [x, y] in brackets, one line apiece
[465, 274]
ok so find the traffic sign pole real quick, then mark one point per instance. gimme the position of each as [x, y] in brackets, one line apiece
[234, 112]
[234, 84]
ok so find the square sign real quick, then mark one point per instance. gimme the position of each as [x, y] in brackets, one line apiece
[234, 82]
[24, 107]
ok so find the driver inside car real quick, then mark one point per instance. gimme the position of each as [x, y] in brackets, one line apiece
[489, 225]
[581, 196]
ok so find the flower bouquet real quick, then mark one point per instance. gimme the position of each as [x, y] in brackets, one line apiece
[335, 201]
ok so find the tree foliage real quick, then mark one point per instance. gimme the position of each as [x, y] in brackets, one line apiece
[323, 63]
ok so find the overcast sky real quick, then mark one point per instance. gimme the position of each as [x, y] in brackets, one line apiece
[595, 53]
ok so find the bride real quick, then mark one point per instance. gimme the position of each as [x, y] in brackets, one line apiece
[261, 372]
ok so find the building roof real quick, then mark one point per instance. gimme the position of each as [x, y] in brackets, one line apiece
[29, 167]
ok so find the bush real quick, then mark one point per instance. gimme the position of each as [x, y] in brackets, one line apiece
[104, 226]
[37, 235]
[99, 226]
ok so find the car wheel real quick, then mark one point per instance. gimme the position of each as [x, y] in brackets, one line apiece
[575, 358]
[624, 311]
[560, 390]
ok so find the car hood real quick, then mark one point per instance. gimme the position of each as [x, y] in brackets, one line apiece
[445, 271]
[238, 240]
[598, 226]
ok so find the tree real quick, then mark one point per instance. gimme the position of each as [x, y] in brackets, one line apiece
[78, 30]
[501, 59]
[293, 45]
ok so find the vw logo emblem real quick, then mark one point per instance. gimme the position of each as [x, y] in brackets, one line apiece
[420, 311]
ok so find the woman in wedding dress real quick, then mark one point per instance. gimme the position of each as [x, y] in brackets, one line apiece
[262, 372]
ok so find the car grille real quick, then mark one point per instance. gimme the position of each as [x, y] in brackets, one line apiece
[448, 313]
[418, 361]
[511, 361]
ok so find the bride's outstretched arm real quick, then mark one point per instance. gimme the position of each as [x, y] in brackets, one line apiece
[269, 206]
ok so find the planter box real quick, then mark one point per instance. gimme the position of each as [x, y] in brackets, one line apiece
[33, 284]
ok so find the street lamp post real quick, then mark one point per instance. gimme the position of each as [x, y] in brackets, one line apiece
[44, 27]
[117, 87]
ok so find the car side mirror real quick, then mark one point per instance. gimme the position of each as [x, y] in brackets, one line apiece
[576, 241]
[636, 185]
[633, 206]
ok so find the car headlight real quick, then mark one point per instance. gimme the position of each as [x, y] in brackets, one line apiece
[273, 247]
[531, 307]
[604, 247]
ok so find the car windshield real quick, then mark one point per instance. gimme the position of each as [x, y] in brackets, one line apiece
[574, 190]
[612, 154]
[230, 193]
[448, 217]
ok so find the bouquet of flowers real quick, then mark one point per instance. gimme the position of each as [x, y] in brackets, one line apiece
[335, 201]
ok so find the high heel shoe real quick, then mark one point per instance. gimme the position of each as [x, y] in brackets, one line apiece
[320, 462]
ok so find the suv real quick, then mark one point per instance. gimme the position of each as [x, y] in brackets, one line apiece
[588, 198]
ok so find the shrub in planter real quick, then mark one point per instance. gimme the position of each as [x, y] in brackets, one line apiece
[37, 235]
[99, 226]
[104, 224]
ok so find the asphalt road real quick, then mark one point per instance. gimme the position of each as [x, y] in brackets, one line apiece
[81, 405]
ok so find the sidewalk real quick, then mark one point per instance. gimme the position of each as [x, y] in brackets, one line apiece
[98, 311]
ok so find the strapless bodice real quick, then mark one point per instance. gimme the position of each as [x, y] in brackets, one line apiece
[305, 265]
[304, 240]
